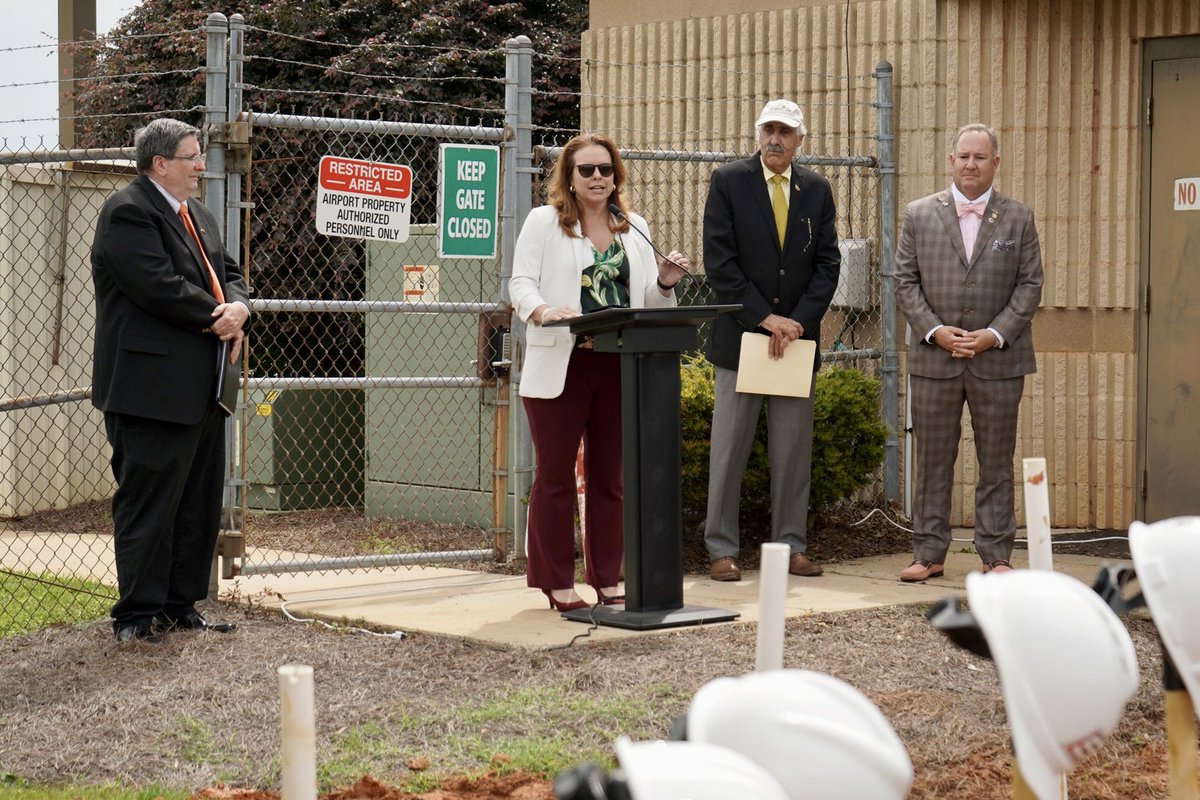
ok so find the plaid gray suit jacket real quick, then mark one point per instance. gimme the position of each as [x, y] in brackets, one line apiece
[998, 286]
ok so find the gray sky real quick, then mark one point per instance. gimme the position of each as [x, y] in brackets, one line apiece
[28, 23]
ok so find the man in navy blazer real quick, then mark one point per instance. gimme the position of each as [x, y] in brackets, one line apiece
[165, 301]
[770, 245]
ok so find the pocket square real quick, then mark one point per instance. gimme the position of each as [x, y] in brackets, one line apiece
[1002, 245]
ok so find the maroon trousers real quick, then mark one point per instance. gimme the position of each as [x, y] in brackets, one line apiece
[589, 408]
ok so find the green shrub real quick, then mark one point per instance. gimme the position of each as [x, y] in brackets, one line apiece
[848, 439]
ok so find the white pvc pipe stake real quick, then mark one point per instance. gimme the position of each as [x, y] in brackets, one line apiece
[299, 732]
[772, 594]
[1037, 514]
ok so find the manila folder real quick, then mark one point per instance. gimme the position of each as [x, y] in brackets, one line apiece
[790, 376]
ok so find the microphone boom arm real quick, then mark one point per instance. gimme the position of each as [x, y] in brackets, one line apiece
[615, 210]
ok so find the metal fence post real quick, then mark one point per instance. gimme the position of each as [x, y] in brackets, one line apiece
[889, 370]
[233, 189]
[230, 544]
[518, 184]
[216, 92]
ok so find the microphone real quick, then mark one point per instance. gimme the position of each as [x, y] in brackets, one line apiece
[616, 211]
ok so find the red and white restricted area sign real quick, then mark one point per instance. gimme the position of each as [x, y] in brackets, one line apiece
[364, 199]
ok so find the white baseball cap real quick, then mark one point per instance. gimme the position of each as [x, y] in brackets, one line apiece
[784, 111]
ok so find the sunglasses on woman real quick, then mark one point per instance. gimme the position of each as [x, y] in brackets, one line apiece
[587, 170]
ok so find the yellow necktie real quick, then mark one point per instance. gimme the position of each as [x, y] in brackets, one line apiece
[779, 206]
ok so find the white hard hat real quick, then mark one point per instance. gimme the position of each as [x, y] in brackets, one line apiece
[692, 771]
[818, 736]
[1066, 663]
[1163, 554]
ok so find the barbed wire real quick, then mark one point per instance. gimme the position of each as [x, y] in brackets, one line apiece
[103, 78]
[373, 76]
[104, 39]
[375, 45]
[722, 136]
[590, 61]
[154, 112]
[638, 98]
[365, 96]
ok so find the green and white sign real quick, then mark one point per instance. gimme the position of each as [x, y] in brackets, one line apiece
[468, 200]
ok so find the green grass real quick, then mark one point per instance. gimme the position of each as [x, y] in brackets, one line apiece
[357, 750]
[197, 742]
[33, 602]
[495, 736]
[12, 788]
[541, 729]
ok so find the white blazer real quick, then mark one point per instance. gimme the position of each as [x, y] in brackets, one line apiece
[547, 268]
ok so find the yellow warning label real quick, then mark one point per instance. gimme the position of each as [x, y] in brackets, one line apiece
[262, 409]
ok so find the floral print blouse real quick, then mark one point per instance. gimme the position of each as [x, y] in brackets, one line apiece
[605, 283]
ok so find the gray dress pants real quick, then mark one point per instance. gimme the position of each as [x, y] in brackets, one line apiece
[789, 446]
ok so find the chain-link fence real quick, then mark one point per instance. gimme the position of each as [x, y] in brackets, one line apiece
[381, 401]
[677, 119]
[55, 480]
[376, 428]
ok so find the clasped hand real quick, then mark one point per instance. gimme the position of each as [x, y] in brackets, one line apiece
[960, 343]
[784, 331]
[228, 319]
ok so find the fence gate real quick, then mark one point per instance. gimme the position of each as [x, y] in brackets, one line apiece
[373, 407]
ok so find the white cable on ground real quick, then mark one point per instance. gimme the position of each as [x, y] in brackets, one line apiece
[1053, 543]
[882, 513]
[390, 635]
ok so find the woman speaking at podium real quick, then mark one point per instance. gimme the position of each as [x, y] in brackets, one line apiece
[578, 254]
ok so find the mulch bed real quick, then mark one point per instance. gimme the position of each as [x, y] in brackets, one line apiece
[201, 712]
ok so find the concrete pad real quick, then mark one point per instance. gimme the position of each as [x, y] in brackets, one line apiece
[501, 609]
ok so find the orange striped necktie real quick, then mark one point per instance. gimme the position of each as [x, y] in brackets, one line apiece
[214, 285]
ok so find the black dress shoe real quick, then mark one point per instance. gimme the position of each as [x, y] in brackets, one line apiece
[192, 621]
[139, 632]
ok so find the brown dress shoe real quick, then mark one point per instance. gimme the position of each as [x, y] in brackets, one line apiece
[921, 570]
[802, 565]
[724, 569]
[999, 565]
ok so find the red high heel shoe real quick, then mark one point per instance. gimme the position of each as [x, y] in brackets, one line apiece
[564, 606]
[609, 599]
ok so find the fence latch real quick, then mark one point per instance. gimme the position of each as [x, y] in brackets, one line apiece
[494, 350]
[237, 144]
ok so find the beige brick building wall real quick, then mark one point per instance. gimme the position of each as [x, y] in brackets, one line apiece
[1059, 79]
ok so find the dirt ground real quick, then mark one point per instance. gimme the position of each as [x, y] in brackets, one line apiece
[200, 713]
[201, 710]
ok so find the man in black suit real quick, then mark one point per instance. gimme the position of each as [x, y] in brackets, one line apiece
[769, 245]
[167, 296]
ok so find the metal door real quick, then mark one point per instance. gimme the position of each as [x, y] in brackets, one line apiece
[1170, 338]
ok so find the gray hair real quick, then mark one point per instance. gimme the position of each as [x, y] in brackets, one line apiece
[160, 138]
[976, 127]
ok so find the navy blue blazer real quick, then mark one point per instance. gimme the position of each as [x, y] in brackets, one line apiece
[746, 265]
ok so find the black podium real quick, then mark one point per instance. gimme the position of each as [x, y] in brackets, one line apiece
[649, 341]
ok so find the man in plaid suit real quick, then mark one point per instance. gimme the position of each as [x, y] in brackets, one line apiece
[968, 278]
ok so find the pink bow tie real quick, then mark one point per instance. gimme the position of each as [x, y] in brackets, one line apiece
[969, 208]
